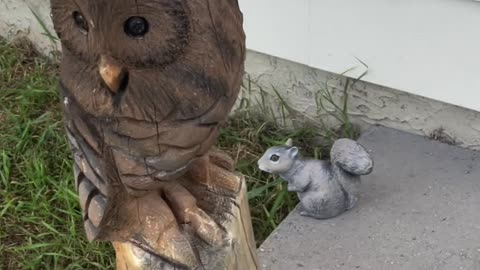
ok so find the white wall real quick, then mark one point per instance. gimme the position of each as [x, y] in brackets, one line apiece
[426, 47]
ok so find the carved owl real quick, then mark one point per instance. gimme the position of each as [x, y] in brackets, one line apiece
[146, 85]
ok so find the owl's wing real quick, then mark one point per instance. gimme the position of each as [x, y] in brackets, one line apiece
[92, 191]
[207, 84]
[351, 157]
[94, 174]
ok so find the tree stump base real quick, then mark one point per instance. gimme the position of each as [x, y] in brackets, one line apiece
[238, 254]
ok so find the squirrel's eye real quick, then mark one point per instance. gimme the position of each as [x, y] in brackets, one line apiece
[80, 22]
[274, 158]
[136, 27]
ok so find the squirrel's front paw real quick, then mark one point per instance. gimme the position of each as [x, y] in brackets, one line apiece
[292, 188]
[304, 213]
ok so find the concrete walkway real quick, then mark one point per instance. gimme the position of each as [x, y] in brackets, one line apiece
[420, 209]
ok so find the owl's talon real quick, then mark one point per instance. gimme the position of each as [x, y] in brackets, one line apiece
[221, 159]
[156, 232]
[205, 172]
[174, 246]
[185, 208]
[206, 228]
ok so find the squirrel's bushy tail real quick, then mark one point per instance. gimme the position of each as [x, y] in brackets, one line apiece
[351, 157]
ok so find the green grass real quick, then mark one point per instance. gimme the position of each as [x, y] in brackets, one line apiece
[40, 219]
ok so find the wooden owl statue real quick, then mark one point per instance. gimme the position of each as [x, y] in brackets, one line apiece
[146, 85]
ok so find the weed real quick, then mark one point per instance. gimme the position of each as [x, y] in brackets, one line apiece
[46, 32]
[441, 135]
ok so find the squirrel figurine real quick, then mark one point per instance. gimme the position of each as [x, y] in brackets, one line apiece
[325, 188]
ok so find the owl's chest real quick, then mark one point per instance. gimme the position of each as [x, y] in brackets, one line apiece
[144, 138]
[140, 155]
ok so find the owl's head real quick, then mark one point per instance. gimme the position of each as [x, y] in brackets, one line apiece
[151, 59]
[136, 33]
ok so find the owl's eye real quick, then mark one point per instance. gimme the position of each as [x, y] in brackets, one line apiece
[136, 27]
[80, 22]
[274, 158]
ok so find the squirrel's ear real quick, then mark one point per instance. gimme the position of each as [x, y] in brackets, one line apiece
[293, 152]
[289, 142]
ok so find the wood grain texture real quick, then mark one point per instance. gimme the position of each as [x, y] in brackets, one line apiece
[238, 253]
[141, 114]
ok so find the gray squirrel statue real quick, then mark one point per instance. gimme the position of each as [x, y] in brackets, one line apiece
[326, 188]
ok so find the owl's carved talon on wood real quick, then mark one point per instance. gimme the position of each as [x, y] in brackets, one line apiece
[150, 225]
[175, 247]
[185, 208]
[205, 172]
[221, 159]
[206, 228]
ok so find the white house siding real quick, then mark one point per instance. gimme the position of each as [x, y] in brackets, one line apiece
[429, 48]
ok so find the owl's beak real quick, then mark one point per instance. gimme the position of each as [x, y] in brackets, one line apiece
[114, 76]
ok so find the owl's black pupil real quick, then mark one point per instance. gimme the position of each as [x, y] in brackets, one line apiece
[274, 158]
[80, 21]
[136, 27]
